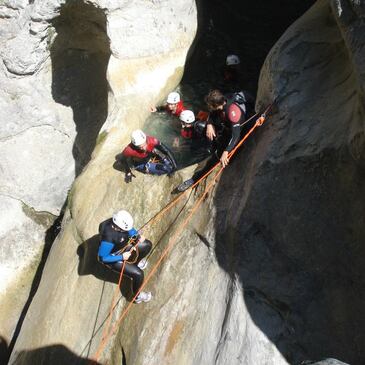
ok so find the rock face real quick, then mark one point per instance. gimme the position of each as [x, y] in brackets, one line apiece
[270, 270]
[70, 69]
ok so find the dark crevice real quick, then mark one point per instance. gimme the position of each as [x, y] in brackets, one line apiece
[50, 237]
[301, 268]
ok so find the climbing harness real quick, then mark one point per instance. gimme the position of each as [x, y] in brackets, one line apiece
[131, 246]
[107, 334]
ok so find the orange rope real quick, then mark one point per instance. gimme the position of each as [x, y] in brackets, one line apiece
[155, 267]
[176, 200]
[174, 238]
[106, 328]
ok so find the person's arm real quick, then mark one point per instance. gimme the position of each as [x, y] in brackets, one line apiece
[236, 131]
[234, 116]
[200, 127]
[136, 235]
[127, 163]
[105, 255]
[133, 233]
[210, 131]
[159, 108]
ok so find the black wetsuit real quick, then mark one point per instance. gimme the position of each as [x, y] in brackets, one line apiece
[112, 240]
[228, 128]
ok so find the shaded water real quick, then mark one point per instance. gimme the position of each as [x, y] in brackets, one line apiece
[248, 29]
[167, 128]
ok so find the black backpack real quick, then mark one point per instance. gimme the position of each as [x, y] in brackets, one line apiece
[243, 99]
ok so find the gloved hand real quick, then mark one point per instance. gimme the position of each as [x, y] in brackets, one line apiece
[128, 177]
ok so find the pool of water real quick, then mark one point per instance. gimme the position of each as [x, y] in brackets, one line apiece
[167, 128]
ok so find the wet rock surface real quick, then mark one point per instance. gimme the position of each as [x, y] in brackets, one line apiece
[269, 271]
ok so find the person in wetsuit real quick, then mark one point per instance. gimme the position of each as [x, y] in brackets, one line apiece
[174, 105]
[193, 130]
[118, 241]
[191, 127]
[147, 154]
[232, 74]
[228, 113]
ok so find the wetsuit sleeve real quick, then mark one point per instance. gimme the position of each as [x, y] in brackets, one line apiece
[163, 152]
[134, 233]
[127, 163]
[199, 127]
[105, 255]
[236, 132]
[213, 119]
[161, 108]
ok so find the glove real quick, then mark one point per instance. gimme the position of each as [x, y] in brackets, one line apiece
[128, 177]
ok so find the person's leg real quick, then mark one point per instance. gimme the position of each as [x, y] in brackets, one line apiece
[135, 274]
[160, 168]
[143, 249]
[140, 167]
[116, 266]
[208, 165]
[212, 160]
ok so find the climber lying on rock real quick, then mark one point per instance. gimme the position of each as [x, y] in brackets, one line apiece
[120, 242]
[148, 155]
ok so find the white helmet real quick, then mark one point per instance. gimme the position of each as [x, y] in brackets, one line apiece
[187, 116]
[138, 137]
[173, 98]
[232, 59]
[123, 220]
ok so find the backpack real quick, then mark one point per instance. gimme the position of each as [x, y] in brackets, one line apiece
[243, 100]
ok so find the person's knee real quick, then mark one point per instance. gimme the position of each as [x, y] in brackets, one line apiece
[138, 276]
[148, 244]
[117, 266]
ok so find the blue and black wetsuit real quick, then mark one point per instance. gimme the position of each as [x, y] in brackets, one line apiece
[112, 241]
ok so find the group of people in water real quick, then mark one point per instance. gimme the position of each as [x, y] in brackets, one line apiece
[220, 129]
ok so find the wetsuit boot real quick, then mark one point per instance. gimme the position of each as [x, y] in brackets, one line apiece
[143, 296]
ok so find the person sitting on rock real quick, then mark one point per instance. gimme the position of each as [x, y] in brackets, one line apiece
[228, 112]
[147, 154]
[118, 242]
[174, 105]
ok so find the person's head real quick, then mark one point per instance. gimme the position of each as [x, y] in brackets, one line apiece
[232, 60]
[187, 118]
[123, 220]
[139, 139]
[172, 101]
[215, 100]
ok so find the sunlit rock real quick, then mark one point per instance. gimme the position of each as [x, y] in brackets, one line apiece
[71, 69]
